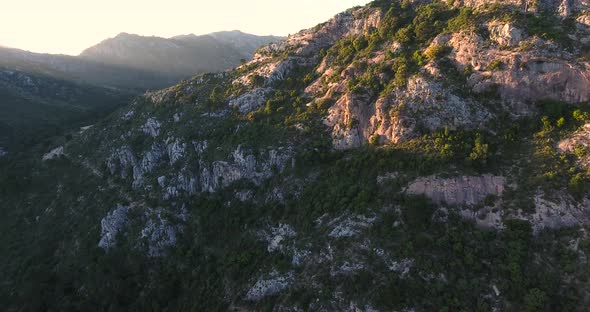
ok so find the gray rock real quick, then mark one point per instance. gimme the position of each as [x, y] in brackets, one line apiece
[111, 225]
[463, 190]
[151, 127]
[250, 101]
[350, 226]
[53, 154]
[159, 233]
[270, 285]
[176, 149]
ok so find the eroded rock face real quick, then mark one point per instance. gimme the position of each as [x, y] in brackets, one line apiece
[464, 190]
[350, 226]
[244, 166]
[3, 152]
[276, 237]
[151, 127]
[557, 212]
[505, 34]
[111, 225]
[521, 76]
[251, 100]
[159, 233]
[306, 45]
[578, 143]
[394, 118]
[270, 285]
[53, 154]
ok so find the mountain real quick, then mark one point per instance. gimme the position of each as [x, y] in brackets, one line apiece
[77, 69]
[177, 57]
[402, 156]
[35, 106]
[43, 94]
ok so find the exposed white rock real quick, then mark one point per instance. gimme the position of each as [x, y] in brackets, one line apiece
[175, 148]
[151, 127]
[159, 233]
[424, 103]
[402, 267]
[251, 100]
[578, 141]
[121, 161]
[463, 190]
[53, 154]
[557, 213]
[276, 236]
[150, 160]
[243, 196]
[347, 268]
[177, 117]
[200, 147]
[128, 115]
[270, 285]
[350, 226]
[244, 165]
[111, 225]
[505, 34]
[3, 152]
[299, 257]
[162, 181]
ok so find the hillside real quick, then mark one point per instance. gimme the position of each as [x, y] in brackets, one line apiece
[402, 156]
[35, 106]
[177, 57]
[77, 69]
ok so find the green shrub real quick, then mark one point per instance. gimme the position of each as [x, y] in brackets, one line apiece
[436, 52]
[580, 115]
[495, 65]
[462, 21]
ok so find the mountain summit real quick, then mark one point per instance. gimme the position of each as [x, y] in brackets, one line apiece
[402, 156]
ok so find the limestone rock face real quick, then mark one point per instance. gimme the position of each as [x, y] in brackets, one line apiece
[151, 127]
[271, 285]
[464, 190]
[251, 100]
[245, 165]
[159, 234]
[505, 34]
[578, 143]
[424, 103]
[53, 154]
[540, 73]
[111, 225]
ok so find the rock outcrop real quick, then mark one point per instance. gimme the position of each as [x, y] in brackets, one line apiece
[270, 285]
[579, 144]
[111, 225]
[53, 154]
[464, 190]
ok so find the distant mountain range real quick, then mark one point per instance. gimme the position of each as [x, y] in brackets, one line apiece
[44, 93]
[177, 57]
[138, 63]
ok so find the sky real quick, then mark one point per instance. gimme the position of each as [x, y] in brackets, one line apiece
[70, 26]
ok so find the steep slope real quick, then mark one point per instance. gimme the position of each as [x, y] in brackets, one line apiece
[178, 57]
[403, 156]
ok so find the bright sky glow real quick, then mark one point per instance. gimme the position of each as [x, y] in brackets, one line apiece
[70, 26]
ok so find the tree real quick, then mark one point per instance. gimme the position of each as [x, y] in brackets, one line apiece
[216, 97]
[479, 153]
[535, 300]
